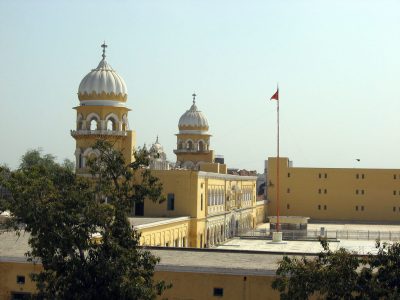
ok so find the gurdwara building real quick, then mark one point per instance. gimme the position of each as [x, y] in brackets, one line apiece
[205, 205]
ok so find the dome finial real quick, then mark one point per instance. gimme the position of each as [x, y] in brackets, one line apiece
[194, 97]
[104, 46]
[157, 139]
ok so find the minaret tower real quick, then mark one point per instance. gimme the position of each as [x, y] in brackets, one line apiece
[102, 114]
[193, 139]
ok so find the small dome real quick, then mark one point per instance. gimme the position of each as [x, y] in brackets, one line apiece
[157, 151]
[103, 83]
[193, 119]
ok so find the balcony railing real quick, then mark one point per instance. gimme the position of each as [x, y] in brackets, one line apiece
[75, 133]
[190, 151]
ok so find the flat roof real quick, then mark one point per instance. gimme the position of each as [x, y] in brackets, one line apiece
[146, 222]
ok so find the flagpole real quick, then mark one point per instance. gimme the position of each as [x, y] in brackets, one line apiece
[277, 168]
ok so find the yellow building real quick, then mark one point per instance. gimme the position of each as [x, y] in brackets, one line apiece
[194, 273]
[217, 204]
[354, 194]
[102, 114]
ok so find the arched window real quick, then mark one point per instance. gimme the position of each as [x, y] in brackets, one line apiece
[93, 124]
[111, 124]
[189, 145]
[180, 145]
[201, 146]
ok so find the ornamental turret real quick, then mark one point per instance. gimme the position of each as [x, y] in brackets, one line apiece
[193, 139]
[102, 114]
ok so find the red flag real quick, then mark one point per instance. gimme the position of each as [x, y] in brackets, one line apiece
[276, 95]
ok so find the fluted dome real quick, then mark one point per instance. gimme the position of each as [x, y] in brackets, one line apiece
[103, 83]
[193, 119]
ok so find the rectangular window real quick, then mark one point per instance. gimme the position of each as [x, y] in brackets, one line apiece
[356, 207]
[319, 191]
[288, 206]
[362, 208]
[394, 193]
[357, 176]
[394, 208]
[356, 192]
[288, 190]
[394, 176]
[20, 279]
[326, 175]
[319, 175]
[201, 202]
[288, 175]
[218, 292]
[325, 191]
[171, 201]
[324, 207]
[319, 207]
[362, 192]
[362, 176]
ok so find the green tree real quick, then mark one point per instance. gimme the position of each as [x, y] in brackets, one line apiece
[64, 213]
[341, 274]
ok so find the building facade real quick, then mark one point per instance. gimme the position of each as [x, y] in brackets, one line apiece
[346, 194]
[197, 187]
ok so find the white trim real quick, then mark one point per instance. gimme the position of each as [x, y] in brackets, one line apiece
[102, 103]
[160, 223]
[93, 114]
[204, 132]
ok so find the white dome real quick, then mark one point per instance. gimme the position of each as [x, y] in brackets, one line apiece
[103, 83]
[193, 118]
[157, 151]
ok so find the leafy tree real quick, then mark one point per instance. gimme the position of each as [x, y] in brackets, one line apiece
[64, 213]
[341, 274]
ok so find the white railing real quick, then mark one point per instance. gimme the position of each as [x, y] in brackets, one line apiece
[98, 132]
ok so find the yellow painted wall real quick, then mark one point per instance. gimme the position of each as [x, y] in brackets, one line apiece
[167, 234]
[335, 193]
[185, 285]
[8, 278]
[200, 286]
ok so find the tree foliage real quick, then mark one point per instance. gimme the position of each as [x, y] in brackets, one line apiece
[341, 274]
[64, 213]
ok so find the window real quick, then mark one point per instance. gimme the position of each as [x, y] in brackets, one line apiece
[394, 193]
[324, 207]
[201, 202]
[218, 292]
[362, 208]
[171, 202]
[319, 175]
[362, 176]
[394, 208]
[288, 175]
[394, 176]
[319, 191]
[326, 176]
[20, 279]
[357, 207]
[362, 192]
[288, 190]
[319, 207]
[325, 191]
[357, 176]
[288, 206]
[356, 192]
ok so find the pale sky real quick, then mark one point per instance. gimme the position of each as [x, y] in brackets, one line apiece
[337, 64]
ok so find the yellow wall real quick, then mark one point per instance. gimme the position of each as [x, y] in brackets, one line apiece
[173, 235]
[8, 278]
[335, 193]
[201, 286]
[186, 285]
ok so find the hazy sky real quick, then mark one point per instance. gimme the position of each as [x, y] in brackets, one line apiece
[337, 64]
